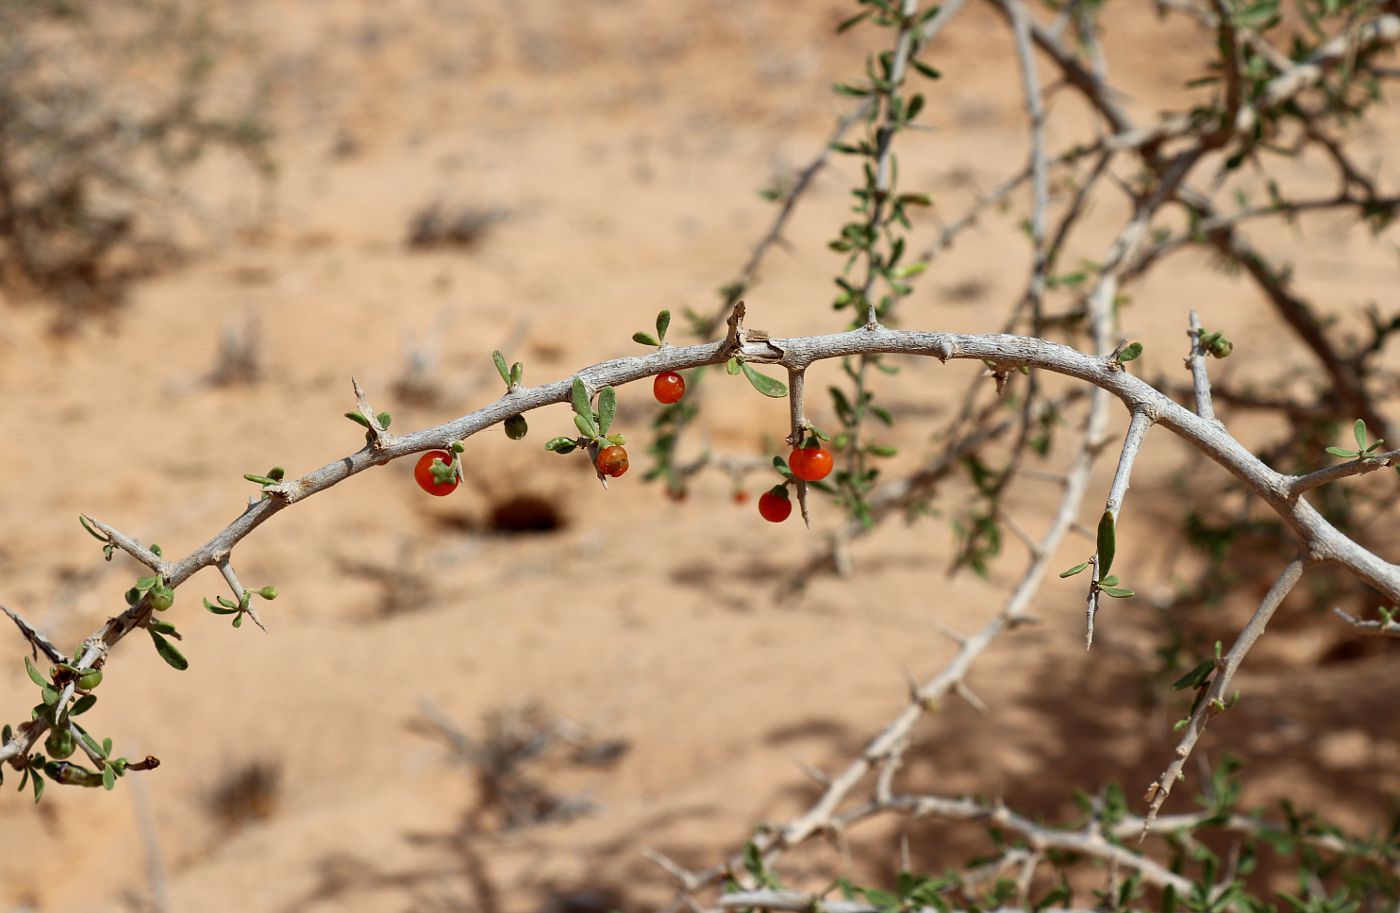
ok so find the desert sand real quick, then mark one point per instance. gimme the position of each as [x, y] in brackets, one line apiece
[621, 144]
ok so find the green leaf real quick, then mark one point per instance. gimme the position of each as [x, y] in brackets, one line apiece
[579, 395]
[1130, 353]
[34, 675]
[853, 21]
[517, 372]
[607, 409]
[384, 419]
[585, 426]
[91, 532]
[1074, 570]
[49, 694]
[645, 339]
[38, 787]
[1196, 677]
[731, 366]
[1359, 429]
[109, 777]
[83, 705]
[561, 445]
[1108, 542]
[663, 323]
[927, 70]
[1117, 592]
[764, 384]
[500, 362]
[1338, 451]
[169, 653]
[358, 419]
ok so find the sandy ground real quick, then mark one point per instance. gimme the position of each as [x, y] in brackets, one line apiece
[623, 143]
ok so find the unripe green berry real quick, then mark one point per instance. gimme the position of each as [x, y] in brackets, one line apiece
[59, 744]
[516, 427]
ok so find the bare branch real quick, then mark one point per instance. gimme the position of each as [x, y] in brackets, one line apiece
[37, 641]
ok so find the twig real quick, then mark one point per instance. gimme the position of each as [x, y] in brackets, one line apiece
[1388, 627]
[37, 641]
[1040, 176]
[1214, 700]
[1360, 466]
[1200, 379]
[239, 593]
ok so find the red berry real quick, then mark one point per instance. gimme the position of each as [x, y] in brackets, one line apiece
[669, 387]
[811, 464]
[612, 461]
[428, 480]
[775, 508]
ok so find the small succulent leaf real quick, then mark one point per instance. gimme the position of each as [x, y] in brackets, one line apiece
[645, 339]
[764, 384]
[585, 426]
[1074, 570]
[1359, 430]
[663, 323]
[500, 362]
[384, 420]
[34, 675]
[82, 705]
[1130, 353]
[1348, 454]
[1108, 542]
[731, 367]
[169, 653]
[358, 419]
[1117, 592]
[517, 372]
[579, 397]
[607, 409]
[109, 778]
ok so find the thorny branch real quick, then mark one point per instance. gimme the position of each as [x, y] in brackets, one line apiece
[1324, 541]
[1214, 700]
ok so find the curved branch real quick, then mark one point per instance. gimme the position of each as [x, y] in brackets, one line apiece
[1322, 541]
